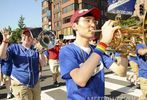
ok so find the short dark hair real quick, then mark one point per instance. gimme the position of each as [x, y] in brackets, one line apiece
[74, 32]
[89, 14]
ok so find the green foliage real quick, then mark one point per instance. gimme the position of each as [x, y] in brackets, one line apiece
[21, 24]
[16, 35]
[132, 21]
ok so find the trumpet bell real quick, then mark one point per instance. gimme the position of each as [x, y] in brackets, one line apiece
[133, 31]
[47, 39]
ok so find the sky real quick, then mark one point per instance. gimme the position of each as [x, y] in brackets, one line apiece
[11, 10]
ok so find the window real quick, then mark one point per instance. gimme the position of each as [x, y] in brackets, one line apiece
[87, 6]
[45, 10]
[64, 1]
[66, 20]
[48, 13]
[56, 7]
[57, 24]
[44, 19]
[58, 14]
[67, 31]
[70, 8]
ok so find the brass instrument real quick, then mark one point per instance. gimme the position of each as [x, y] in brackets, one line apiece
[47, 39]
[128, 36]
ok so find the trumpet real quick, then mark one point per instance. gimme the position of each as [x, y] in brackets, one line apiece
[129, 35]
[96, 30]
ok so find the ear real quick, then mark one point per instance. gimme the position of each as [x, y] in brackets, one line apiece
[74, 26]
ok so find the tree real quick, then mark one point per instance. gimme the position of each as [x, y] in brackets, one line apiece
[21, 24]
[9, 29]
[16, 35]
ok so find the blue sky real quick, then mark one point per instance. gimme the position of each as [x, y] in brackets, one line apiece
[11, 10]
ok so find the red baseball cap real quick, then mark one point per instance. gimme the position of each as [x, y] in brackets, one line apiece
[79, 13]
[33, 32]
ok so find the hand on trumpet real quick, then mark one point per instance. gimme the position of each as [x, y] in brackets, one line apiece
[108, 30]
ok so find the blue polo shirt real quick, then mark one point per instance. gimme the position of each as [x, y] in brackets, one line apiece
[25, 64]
[70, 57]
[142, 62]
[6, 67]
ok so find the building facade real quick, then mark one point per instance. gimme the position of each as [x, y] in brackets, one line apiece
[56, 14]
[46, 14]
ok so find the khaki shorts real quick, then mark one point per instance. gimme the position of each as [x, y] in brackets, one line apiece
[134, 67]
[22, 92]
[143, 86]
[54, 66]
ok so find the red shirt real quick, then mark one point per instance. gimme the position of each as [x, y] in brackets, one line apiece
[54, 52]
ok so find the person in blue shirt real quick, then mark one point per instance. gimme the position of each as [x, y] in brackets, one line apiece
[81, 64]
[25, 63]
[1, 75]
[142, 64]
[6, 68]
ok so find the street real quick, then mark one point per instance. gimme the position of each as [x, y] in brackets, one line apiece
[116, 87]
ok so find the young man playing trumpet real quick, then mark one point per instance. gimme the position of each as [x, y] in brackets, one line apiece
[82, 65]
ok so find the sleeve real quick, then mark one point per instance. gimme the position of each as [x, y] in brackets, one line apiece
[10, 52]
[139, 46]
[67, 61]
[46, 53]
[107, 61]
[7, 67]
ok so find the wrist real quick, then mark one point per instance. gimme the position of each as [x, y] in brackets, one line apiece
[104, 42]
[100, 48]
[5, 41]
[41, 51]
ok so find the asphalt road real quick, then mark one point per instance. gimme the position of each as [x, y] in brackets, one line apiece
[117, 88]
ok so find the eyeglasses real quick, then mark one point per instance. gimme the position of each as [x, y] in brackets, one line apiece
[88, 21]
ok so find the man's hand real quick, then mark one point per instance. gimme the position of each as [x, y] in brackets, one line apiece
[108, 30]
[6, 34]
[39, 47]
